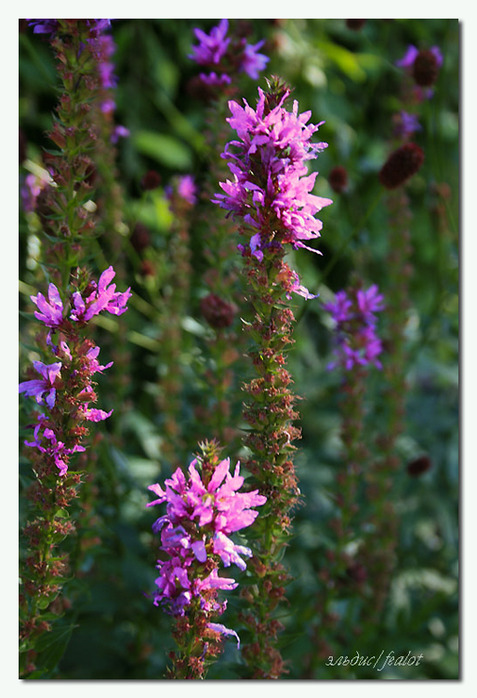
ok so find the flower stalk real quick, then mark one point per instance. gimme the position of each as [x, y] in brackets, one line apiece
[270, 197]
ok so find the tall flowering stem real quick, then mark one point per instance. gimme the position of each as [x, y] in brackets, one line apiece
[64, 391]
[230, 59]
[270, 194]
[182, 195]
[380, 480]
[357, 348]
[204, 508]
[421, 68]
[66, 208]
[65, 357]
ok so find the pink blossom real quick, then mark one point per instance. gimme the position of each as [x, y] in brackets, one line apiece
[49, 311]
[37, 388]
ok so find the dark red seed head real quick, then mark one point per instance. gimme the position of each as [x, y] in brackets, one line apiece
[402, 164]
[338, 178]
[151, 180]
[355, 24]
[418, 466]
[425, 68]
[141, 237]
[218, 312]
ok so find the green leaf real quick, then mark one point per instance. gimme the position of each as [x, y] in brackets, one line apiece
[165, 149]
[51, 646]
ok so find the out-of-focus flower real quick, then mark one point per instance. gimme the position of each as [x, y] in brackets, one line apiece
[424, 67]
[354, 316]
[212, 47]
[401, 165]
[186, 188]
[226, 56]
[218, 312]
[419, 466]
[31, 188]
[150, 180]
[355, 24]
[253, 62]
[119, 132]
[405, 124]
[43, 26]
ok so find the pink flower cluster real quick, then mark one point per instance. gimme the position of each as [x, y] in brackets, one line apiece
[195, 534]
[100, 296]
[356, 341]
[76, 362]
[225, 55]
[271, 188]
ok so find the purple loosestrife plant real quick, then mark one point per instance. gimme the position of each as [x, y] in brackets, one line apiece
[406, 159]
[270, 195]
[204, 508]
[65, 397]
[224, 49]
[65, 390]
[354, 312]
[226, 56]
[173, 300]
[354, 316]
[66, 206]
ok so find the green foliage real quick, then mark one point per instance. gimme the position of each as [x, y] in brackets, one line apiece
[348, 79]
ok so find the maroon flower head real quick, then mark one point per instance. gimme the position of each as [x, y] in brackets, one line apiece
[418, 466]
[426, 68]
[355, 24]
[338, 179]
[218, 312]
[141, 237]
[151, 180]
[402, 164]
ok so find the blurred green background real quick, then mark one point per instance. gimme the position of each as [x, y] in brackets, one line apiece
[348, 79]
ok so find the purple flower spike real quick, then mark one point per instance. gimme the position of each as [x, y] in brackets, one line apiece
[195, 531]
[354, 316]
[271, 188]
[226, 56]
[212, 47]
[423, 65]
